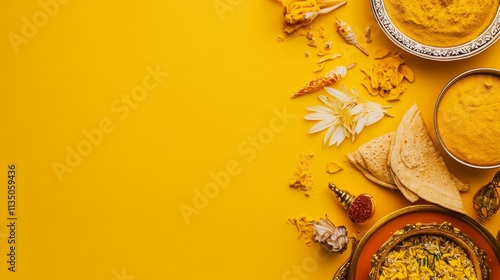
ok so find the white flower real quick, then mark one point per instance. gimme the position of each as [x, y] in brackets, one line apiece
[345, 115]
[333, 239]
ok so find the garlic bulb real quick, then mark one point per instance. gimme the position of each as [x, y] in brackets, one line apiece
[333, 239]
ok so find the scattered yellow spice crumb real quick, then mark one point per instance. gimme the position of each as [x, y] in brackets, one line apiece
[302, 177]
[368, 34]
[280, 38]
[305, 228]
[332, 167]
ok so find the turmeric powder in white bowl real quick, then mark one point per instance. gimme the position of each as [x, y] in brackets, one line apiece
[442, 23]
[467, 118]
[441, 30]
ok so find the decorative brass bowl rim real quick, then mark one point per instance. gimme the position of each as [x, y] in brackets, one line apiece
[466, 50]
[475, 254]
[488, 238]
[489, 71]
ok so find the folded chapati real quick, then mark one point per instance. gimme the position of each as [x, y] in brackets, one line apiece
[419, 167]
[371, 159]
[375, 154]
[368, 174]
[396, 144]
[408, 160]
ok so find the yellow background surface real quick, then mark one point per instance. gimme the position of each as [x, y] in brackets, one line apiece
[162, 101]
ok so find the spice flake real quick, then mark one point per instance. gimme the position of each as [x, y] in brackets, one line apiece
[389, 76]
[305, 229]
[333, 167]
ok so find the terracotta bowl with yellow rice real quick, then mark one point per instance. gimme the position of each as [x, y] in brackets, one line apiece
[466, 118]
[429, 251]
[440, 30]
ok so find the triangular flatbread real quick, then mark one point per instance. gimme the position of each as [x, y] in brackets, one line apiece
[375, 153]
[411, 196]
[418, 165]
[367, 173]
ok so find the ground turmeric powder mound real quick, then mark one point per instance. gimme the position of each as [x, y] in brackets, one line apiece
[467, 119]
[304, 227]
[442, 23]
[302, 177]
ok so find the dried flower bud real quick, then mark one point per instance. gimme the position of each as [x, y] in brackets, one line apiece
[333, 239]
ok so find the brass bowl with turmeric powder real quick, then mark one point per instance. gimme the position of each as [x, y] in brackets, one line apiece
[440, 30]
[467, 118]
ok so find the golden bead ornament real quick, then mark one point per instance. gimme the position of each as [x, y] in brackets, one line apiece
[359, 208]
[486, 200]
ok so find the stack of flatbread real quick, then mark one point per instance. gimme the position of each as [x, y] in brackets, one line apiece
[408, 160]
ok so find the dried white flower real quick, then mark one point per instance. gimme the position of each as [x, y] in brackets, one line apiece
[345, 115]
[333, 239]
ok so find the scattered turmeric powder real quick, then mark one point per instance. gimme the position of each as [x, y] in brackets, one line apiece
[316, 36]
[389, 76]
[302, 177]
[305, 229]
[301, 13]
[443, 23]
